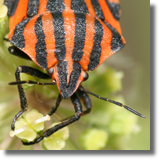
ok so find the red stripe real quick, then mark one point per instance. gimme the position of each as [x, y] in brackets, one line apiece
[109, 17]
[20, 13]
[48, 30]
[89, 42]
[69, 26]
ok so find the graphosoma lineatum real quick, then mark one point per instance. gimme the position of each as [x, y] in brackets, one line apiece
[66, 38]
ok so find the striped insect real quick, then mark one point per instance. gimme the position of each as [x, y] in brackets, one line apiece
[66, 38]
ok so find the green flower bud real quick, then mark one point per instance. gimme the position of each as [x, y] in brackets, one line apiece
[93, 139]
[107, 81]
[122, 122]
[57, 140]
[113, 79]
[26, 133]
[32, 118]
[1, 2]
[27, 127]
[3, 10]
[4, 26]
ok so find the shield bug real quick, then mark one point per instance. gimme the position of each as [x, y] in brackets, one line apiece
[66, 38]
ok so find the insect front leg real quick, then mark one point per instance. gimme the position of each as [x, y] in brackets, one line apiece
[23, 101]
[59, 99]
[78, 109]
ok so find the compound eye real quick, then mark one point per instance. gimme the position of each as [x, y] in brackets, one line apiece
[50, 71]
[86, 76]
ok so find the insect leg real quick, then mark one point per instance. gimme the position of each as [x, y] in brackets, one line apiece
[33, 72]
[6, 39]
[59, 99]
[17, 52]
[86, 100]
[78, 109]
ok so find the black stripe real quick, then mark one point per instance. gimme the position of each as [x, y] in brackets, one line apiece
[79, 6]
[55, 5]
[96, 51]
[116, 43]
[59, 34]
[114, 8]
[33, 6]
[12, 6]
[79, 39]
[62, 73]
[41, 54]
[98, 9]
[18, 37]
[67, 89]
[75, 75]
[62, 76]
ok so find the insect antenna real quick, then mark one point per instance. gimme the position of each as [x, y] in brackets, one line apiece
[114, 102]
[30, 82]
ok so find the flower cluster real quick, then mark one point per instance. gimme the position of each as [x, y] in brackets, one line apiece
[31, 125]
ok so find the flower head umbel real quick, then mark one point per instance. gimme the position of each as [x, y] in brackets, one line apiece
[31, 125]
[27, 127]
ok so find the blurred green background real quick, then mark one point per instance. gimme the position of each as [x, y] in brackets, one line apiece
[132, 62]
[135, 23]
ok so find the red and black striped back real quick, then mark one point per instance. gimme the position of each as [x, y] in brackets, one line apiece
[48, 31]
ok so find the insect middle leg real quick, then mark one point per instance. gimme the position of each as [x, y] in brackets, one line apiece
[30, 71]
[86, 100]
